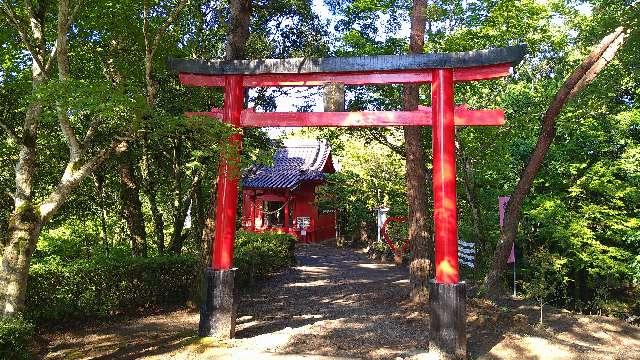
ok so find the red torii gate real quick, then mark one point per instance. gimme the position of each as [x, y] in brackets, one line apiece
[441, 70]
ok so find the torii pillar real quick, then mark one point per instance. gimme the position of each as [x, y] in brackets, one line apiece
[218, 310]
[447, 293]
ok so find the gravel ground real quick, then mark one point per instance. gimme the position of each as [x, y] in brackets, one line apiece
[338, 304]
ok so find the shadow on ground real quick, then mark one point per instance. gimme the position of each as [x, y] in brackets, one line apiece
[339, 303]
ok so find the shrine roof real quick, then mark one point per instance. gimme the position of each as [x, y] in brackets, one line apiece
[296, 162]
[505, 55]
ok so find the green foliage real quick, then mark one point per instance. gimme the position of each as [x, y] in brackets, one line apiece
[107, 285]
[547, 278]
[371, 176]
[16, 335]
[256, 255]
[547, 275]
[64, 287]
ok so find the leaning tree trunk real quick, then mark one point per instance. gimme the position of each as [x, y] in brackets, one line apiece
[599, 57]
[416, 173]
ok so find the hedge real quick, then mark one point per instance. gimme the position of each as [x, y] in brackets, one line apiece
[257, 255]
[15, 337]
[105, 286]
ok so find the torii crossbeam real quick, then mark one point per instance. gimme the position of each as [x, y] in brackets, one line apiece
[441, 70]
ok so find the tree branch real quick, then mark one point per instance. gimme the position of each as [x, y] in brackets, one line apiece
[90, 134]
[605, 58]
[10, 132]
[72, 178]
[378, 136]
[17, 25]
[170, 20]
[62, 57]
[54, 51]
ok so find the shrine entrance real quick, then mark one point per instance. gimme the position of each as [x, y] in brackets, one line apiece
[442, 71]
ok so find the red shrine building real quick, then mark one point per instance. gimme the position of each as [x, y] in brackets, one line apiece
[282, 197]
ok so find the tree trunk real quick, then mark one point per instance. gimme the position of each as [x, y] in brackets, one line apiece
[419, 239]
[206, 238]
[472, 198]
[99, 180]
[198, 213]
[599, 57]
[179, 208]
[132, 208]
[17, 248]
[24, 222]
[180, 236]
[156, 215]
[238, 29]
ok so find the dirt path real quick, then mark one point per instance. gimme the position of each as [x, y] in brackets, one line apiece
[337, 303]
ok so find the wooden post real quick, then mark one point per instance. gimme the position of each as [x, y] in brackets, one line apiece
[334, 97]
[448, 327]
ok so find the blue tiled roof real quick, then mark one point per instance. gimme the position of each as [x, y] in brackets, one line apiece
[297, 161]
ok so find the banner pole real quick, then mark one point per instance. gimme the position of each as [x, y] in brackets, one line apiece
[514, 279]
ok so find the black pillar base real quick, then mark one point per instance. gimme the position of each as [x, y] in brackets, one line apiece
[448, 327]
[218, 311]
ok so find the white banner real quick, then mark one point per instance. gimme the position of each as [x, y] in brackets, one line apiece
[466, 253]
[466, 244]
[469, 264]
[466, 257]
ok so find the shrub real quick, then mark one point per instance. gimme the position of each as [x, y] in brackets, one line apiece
[104, 286]
[15, 337]
[257, 255]
[108, 285]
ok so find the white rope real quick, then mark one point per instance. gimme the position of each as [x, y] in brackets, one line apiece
[276, 211]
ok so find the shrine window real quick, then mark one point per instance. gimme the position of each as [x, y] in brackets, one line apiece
[273, 213]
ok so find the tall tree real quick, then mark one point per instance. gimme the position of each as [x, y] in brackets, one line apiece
[585, 73]
[419, 239]
[151, 42]
[29, 216]
[237, 37]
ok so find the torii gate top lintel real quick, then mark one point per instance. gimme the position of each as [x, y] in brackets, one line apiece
[505, 56]
[441, 70]
[361, 70]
